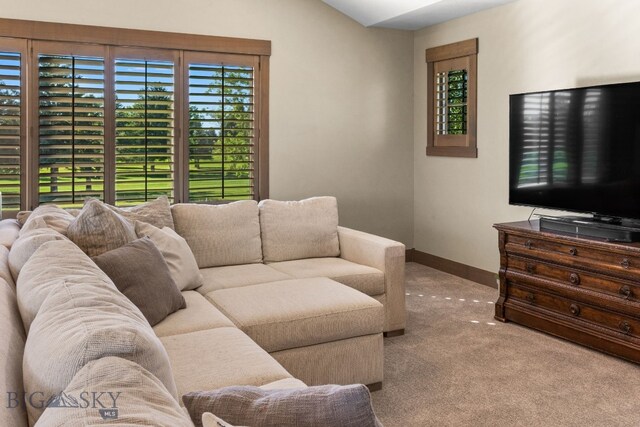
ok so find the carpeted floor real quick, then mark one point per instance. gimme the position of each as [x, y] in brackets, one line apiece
[457, 366]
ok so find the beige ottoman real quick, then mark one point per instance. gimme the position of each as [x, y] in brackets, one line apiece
[321, 331]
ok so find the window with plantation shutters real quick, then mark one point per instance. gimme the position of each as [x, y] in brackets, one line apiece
[71, 104]
[11, 134]
[221, 131]
[144, 132]
[157, 114]
[451, 117]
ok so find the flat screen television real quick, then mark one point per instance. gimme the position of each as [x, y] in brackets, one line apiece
[577, 150]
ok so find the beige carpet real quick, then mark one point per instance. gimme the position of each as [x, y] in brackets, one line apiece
[457, 366]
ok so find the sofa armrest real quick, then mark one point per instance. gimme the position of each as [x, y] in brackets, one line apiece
[387, 256]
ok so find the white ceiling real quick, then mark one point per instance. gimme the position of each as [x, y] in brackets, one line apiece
[409, 14]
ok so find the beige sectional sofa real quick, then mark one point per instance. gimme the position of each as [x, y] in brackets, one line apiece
[285, 302]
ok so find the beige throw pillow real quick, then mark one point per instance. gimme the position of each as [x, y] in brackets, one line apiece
[140, 272]
[176, 252]
[98, 229]
[155, 212]
[320, 406]
[227, 234]
[130, 394]
[297, 230]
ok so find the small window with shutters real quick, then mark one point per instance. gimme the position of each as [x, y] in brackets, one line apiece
[11, 124]
[145, 126]
[221, 128]
[451, 108]
[71, 110]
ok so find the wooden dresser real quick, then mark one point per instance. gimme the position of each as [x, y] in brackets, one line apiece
[586, 291]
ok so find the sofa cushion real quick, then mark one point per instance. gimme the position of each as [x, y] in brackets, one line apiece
[140, 272]
[98, 229]
[135, 393]
[54, 263]
[5, 271]
[284, 384]
[78, 324]
[53, 216]
[299, 312]
[9, 232]
[210, 420]
[365, 279]
[227, 234]
[199, 315]
[320, 406]
[221, 357]
[26, 245]
[12, 410]
[296, 230]
[176, 252]
[232, 276]
[155, 212]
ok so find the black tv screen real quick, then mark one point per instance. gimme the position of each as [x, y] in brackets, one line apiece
[577, 150]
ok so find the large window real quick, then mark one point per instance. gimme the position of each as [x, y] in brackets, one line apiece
[180, 115]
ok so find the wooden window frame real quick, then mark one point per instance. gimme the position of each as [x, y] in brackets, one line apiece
[22, 36]
[460, 55]
[22, 47]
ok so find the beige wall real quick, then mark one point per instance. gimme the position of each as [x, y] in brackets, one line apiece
[525, 46]
[341, 94]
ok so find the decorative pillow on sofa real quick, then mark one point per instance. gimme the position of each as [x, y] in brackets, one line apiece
[98, 229]
[321, 406]
[140, 272]
[135, 393]
[297, 230]
[176, 252]
[28, 243]
[155, 212]
[227, 234]
[53, 216]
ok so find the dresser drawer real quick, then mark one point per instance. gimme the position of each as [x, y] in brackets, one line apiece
[624, 325]
[576, 255]
[626, 290]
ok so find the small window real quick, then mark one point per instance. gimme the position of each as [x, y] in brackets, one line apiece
[452, 99]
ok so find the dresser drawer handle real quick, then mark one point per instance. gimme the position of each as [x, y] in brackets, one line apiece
[625, 263]
[625, 291]
[531, 268]
[531, 298]
[574, 309]
[625, 327]
[528, 244]
[574, 279]
[573, 252]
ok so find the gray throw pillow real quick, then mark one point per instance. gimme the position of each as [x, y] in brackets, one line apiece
[321, 406]
[97, 229]
[140, 272]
